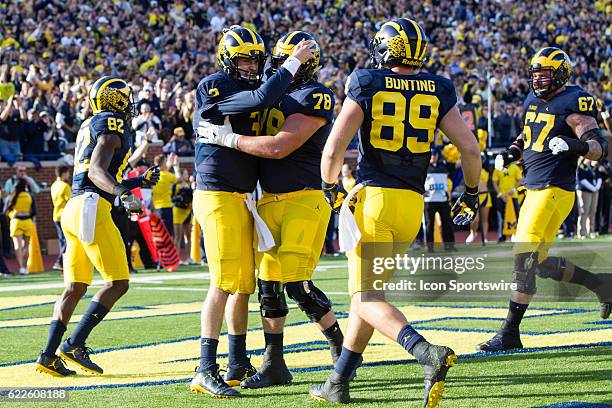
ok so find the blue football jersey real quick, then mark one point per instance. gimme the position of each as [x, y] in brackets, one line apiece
[218, 95]
[103, 123]
[543, 121]
[302, 168]
[401, 115]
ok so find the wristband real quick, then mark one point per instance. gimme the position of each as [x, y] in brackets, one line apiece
[120, 190]
[471, 190]
[292, 64]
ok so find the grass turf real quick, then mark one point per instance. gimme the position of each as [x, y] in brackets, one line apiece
[528, 379]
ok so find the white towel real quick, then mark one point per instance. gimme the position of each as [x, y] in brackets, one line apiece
[348, 231]
[87, 225]
[265, 239]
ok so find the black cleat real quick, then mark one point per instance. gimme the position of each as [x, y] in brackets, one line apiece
[53, 365]
[272, 372]
[501, 342]
[334, 390]
[604, 294]
[436, 361]
[605, 309]
[79, 355]
[210, 382]
[238, 373]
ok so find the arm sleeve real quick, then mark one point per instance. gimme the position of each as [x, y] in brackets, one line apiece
[247, 101]
[354, 87]
[35, 186]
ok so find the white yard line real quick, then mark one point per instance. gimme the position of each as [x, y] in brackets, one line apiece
[154, 279]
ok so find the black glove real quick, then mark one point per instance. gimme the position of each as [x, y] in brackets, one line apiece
[334, 195]
[150, 177]
[466, 207]
[129, 201]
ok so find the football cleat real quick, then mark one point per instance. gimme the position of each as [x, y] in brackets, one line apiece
[53, 365]
[605, 309]
[604, 294]
[272, 372]
[210, 382]
[436, 361]
[237, 373]
[79, 355]
[501, 342]
[334, 390]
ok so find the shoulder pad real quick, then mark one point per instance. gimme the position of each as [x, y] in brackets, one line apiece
[108, 123]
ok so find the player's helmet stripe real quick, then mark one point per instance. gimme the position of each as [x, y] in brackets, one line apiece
[290, 37]
[417, 50]
[235, 36]
[252, 35]
[100, 91]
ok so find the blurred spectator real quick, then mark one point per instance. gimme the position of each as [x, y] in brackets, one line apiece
[60, 194]
[436, 199]
[161, 202]
[12, 117]
[179, 144]
[20, 174]
[602, 220]
[182, 198]
[143, 124]
[589, 183]
[21, 208]
[348, 181]
[505, 183]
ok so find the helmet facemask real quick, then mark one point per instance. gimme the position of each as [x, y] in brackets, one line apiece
[541, 81]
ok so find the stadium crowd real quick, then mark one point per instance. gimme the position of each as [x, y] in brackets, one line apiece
[52, 50]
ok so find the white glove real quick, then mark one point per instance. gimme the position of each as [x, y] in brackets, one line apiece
[558, 145]
[218, 135]
[499, 162]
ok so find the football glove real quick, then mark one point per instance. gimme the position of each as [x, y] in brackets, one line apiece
[334, 195]
[465, 209]
[150, 177]
[218, 135]
[561, 144]
[129, 201]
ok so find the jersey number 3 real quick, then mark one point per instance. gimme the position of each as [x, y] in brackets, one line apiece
[396, 121]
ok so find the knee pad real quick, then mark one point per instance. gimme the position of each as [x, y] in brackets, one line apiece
[553, 267]
[272, 302]
[310, 299]
[525, 268]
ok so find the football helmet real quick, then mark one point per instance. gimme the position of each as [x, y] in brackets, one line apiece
[284, 48]
[111, 93]
[400, 41]
[241, 42]
[556, 63]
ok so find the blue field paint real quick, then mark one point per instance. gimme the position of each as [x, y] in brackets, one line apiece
[388, 363]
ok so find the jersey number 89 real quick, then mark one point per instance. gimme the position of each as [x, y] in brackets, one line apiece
[396, 121]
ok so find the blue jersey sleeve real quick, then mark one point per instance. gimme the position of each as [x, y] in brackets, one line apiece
[581, 102]
[355, 86]
[217, 99]
[316, 101]
[447, 96]
[108, 123]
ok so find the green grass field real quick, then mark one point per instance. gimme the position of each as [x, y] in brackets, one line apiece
[148, 346]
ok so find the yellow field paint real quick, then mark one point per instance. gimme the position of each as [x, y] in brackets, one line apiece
[20, 301]
[156, 310]
[177, 360]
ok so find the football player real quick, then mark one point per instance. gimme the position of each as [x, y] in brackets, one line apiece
[103, 147]
[560, 125]
[224, 178]
[396, 109]
[293, 206]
